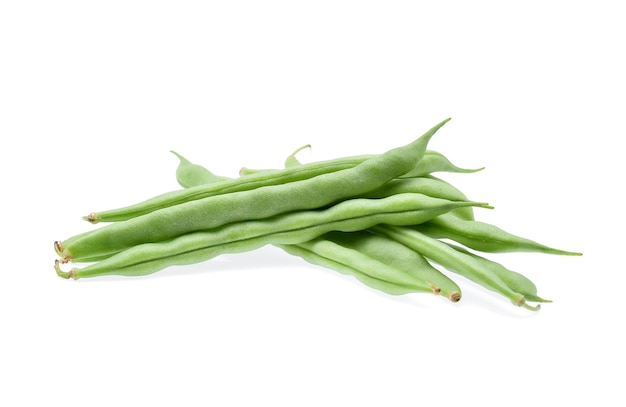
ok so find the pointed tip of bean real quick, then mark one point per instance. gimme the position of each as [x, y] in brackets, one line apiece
[550, 250]
[484, 205]
[566, 253]
[471, 170]
[535, 298]
[180, 157]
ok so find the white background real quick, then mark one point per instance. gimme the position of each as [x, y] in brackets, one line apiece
[93, 95]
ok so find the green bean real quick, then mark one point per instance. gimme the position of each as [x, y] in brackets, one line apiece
[516, 281]
[399, 256]
[287, 228]
[258, 203]
[483, 236]
[357, 260]
[433, 162]
[363, 254]
[265, 178]
[189, 174]
[430, 186]
[327, 166]
[453, 260]
[314, 257]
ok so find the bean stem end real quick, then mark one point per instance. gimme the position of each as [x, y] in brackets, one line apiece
[64, 274]
[92, 218]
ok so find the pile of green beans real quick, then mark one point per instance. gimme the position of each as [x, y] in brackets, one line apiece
[384, 219]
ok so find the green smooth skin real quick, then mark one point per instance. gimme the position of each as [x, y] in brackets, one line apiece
[318, 260]
[289, 228]
[436, 162]
[363, 177]
[205, 190]
[251, 179]
[362, 254]
[364, 263]
[430, 186]
[189, 174]
[453, 260]
[516, 281]
[258, 203]
[433, 161]
[483, 236]
[336, 164]
[399, 256]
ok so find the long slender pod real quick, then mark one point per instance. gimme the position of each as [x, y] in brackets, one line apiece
[365, 264]
[516, 281]
[483, 237]
[430, 186]
[290, 228]
[399, 256]
[453, 260]
[314, 257]
[258, 203]
[294, 173]
[433, 162]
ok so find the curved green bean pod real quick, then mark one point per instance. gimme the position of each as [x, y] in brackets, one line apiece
[358, 260]
[386, 166]
[453, 260]
[189, 174]
[314, 257]
[430, 186]
[288, 228]
[516, 281]
[397, 255]
[258, 203]
[483, 236]
[433, 161]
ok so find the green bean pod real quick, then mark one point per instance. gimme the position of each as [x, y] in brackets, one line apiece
[314, 257]
[189, 174]
[453, 260]
[516, 281]
[364, 255]
[367, 265]
[483, 237]
[398, 256]
[366, 175]
[289, 228]
[251, 179]
[258, 203]
[433, 162]
[430, 186]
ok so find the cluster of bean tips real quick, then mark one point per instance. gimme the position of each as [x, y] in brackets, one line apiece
[384, 219]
